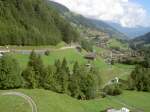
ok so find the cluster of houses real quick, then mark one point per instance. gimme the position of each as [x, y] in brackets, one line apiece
[101, 41]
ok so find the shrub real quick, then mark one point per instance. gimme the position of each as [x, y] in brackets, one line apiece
[47, 53]
[112, 90]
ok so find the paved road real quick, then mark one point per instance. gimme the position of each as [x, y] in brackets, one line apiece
[38, 51]
[27, 98]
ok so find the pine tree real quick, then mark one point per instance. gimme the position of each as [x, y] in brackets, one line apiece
[65, 76]
[29, 78]
[140, 79]
[74, 82]
[35, 70]
[49, 81]
[58, 83]
[10, 73]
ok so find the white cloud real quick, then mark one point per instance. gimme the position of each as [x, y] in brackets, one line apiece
[124, 12]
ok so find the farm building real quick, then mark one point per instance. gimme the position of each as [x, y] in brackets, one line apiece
[90, 56]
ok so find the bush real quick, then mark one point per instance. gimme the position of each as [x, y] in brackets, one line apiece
[47, 53]
[112, 90]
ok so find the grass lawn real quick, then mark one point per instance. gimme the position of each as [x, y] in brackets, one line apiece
[48, 101]
[70, 54]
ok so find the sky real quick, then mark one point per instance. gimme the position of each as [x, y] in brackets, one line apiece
[145, 3]
[127, 13]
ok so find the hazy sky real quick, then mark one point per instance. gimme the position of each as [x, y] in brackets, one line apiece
[128, 13]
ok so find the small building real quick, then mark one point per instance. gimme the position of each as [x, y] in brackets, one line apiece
[79, 48]
[1, 55]
[88, 65]
[115, 110]
[90, 56]
[2, 52]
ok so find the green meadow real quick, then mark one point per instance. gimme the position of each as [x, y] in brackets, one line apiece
[48, 101]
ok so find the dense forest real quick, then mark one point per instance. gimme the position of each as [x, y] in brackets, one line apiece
[32, 22]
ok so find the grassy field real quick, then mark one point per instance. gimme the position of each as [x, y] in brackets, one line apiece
[114, 43]
[107, 71]
[70, 54]
[48, 101]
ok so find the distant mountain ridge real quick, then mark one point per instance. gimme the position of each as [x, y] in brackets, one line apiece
[87, 22]
[144, 38]
[131, 32]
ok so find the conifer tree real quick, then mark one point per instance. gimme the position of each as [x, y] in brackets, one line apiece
[35, 70]
[49, 81]
[10, 73]
[65, 76]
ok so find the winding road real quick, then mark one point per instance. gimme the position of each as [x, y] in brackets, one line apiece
[25, 97]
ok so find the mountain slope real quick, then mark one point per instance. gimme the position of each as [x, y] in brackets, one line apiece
[32, 22]
[141, 41]
[87, 22]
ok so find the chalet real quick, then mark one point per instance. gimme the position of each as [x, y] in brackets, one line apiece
[90, 56]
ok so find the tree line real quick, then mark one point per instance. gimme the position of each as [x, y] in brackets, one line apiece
[80, 82]
[140, 77]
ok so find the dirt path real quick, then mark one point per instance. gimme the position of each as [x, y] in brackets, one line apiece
[25, 97]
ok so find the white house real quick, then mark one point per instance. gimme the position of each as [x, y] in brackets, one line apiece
[4, 51]
[1, 55]
[121, 110]
[125, 110]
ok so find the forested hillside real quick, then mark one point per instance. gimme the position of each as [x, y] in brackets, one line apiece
[32, 22]
[141, 41]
